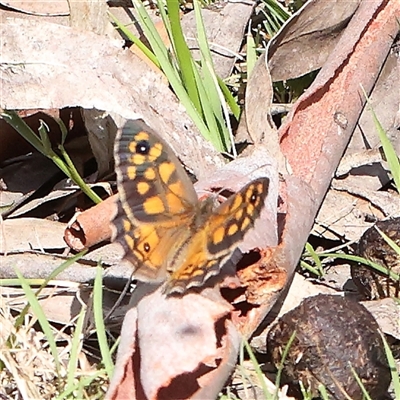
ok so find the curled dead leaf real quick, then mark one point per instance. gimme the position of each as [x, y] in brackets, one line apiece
[175, 347]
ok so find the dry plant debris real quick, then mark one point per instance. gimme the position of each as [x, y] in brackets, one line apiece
[93, 85]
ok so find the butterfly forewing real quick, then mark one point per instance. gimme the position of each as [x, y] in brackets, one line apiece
[156, 200]
[152, 184]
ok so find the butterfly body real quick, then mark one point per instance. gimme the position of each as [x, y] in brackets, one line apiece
[165, 231]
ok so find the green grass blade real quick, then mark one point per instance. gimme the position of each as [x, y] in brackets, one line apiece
[390, 152]
[99, 322]
[51, 277]
[74, 175]
[242, 369]
[161, 6]
[183, 55]
[211, 85]
[369, 263]
[392, 365]
[361, 260]
[157, 45]
[43, 145]
[315, 258]
[76, 347]
[275, 15]
[208, 113]
[168, 68]
[366, 396]
[40, 315]
[389, 241]
[323, 392]
[257, 369]
[114, 347]
[207, 92]
[282, 363]
[278, 12]
[251, 53]
[44, 137]
[13, 119]
[201, 92]
[223, 118]
[310, 268]
[84, 382]
[134, 39]
[207, 67]
[233, 105]
[63, 129]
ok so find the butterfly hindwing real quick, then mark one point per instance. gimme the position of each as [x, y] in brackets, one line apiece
[229, 223]
[224, 228]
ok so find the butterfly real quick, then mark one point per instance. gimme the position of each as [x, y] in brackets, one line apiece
[167, 234]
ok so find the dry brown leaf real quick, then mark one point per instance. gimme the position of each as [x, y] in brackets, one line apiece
[357, 160]
[306, 40]
[93, 72]
[49, 202]
[62, 301]
[329, 116]
[225, 23]
[30, 234]
[255, 126]
[12, 143]
[342, 216]
[387, 315]
[40, 266]
[187, 356]
[101, 128]
[358, 209]
[60, 304]
[20, 179]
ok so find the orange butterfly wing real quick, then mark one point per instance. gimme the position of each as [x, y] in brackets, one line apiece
[166, 233]
[214, 242]
[157, 198]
